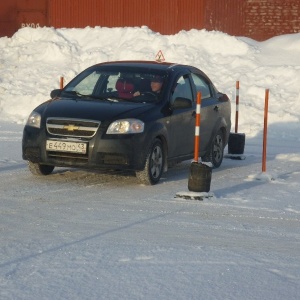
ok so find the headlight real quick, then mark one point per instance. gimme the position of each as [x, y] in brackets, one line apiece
[34, 120]
[126, 126]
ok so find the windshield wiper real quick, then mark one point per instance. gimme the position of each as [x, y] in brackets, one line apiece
[73, 93]
[107, 98]
[86, 96]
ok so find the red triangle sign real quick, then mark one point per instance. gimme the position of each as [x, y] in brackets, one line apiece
[159, 56]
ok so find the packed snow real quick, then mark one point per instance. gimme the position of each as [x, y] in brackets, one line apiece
[77, 234]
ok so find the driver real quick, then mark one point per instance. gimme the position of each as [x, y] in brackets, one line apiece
[156, 84]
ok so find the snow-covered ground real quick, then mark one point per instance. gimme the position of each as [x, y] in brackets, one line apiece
[88, 235]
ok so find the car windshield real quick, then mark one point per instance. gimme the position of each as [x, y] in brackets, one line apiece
[115, 83]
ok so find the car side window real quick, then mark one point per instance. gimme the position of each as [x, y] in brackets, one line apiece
[182, 89]
[201, 86]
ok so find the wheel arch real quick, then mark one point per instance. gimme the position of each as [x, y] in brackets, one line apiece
[160, 132]
[223, 127]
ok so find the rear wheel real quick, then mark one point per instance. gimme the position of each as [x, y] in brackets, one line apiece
[216, 150]
[38, 169]
[154, 165]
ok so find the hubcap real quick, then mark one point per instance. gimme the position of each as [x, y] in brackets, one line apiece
[218, 148]
[156, 162]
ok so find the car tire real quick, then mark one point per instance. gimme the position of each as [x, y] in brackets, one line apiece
[38, 169]
[152, 172]
[216, 150]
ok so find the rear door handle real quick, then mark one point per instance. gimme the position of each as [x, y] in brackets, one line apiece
[216, 108]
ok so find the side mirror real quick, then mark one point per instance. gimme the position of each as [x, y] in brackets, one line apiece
[55, 93]
[222, 97]
[181, 103]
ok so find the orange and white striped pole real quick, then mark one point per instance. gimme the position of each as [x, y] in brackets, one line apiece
[264, 154]
[197, 128]
[237, 100]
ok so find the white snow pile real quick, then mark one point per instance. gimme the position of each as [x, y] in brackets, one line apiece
[33, 60]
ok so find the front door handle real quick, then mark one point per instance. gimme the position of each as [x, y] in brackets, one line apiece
[216, 108]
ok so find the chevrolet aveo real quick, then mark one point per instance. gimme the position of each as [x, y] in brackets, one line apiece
[128, 115]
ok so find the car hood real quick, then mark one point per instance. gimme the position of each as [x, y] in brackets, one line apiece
[93, 110]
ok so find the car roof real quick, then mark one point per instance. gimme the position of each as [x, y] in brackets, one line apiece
[145, 64]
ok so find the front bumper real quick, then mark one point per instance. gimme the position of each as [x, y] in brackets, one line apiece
[103, 151]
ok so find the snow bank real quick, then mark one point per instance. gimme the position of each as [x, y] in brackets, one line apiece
[33, 60]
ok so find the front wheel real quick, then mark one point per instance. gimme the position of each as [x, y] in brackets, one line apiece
[154, 165]
[215, 151]
[38, 169]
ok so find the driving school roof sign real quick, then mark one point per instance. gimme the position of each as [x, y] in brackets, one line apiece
[159, 56]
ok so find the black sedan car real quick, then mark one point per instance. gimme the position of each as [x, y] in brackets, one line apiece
[133, 115]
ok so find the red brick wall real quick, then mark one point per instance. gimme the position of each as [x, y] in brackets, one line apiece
[267, 18]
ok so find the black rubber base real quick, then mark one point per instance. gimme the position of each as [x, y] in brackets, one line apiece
[236, 143]
[200, 177]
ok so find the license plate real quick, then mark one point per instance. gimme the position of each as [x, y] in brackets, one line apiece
[62, 146]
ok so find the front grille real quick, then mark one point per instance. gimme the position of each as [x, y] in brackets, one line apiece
[65, 155]
[72, 127]
[115, 159]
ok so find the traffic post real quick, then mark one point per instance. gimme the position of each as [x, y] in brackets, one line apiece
[264, 152]
[200, 173]
[61, 83]
[236, 142]
[264, 176]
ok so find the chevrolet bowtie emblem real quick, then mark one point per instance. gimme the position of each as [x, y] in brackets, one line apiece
[71, 127]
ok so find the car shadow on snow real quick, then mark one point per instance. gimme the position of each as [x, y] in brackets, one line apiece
[88, 177]
[178, 172]
[279, 136]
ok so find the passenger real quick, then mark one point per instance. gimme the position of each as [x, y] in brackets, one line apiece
[156, 84]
